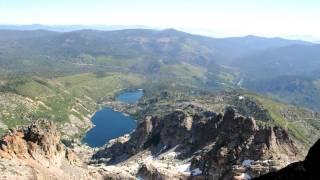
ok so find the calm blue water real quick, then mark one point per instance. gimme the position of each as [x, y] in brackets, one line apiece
[110, 124]
[130, 97]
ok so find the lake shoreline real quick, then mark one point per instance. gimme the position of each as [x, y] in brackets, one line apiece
[108, 117]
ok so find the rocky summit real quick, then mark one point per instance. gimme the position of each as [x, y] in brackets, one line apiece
[203, 145]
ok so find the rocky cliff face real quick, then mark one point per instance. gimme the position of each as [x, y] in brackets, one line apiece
[36, 152]
[37, 139]
[239, 140]
[214, 146]
[307, 169]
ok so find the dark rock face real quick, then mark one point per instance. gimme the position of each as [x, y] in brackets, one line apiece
[147, 171]
[252, 108]
[307, 169]
[240, 139]
[176, 128]
[216, 142]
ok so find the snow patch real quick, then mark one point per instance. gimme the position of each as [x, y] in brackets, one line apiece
[196, 172]
[172, 154]
[162, 149]
[247, 162]
[184, 168]
[267, 161]
[245, 176]
[240, 82]
[241, 97]
[149, 158]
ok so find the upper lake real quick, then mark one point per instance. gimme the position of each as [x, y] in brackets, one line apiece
[110, 124]
[130, 97]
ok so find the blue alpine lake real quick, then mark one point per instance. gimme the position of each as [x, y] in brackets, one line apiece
[110, 124]
[130, 97]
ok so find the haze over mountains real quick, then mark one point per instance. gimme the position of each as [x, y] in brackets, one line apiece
[76, 27]
[68, 28]
[252, 62]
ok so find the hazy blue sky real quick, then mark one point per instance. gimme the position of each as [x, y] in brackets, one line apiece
[220, 18]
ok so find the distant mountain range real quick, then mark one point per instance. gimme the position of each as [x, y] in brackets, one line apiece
[76, 27]
[68, 28]
[169, 55]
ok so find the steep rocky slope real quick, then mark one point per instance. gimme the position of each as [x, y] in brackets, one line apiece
[302, 124]
[215, 136]
[36, 152]
[307, 169]
[208, 145]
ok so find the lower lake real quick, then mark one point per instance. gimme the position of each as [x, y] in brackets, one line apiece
[110, 124]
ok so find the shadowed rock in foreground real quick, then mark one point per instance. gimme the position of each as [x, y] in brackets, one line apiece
[307, 169]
